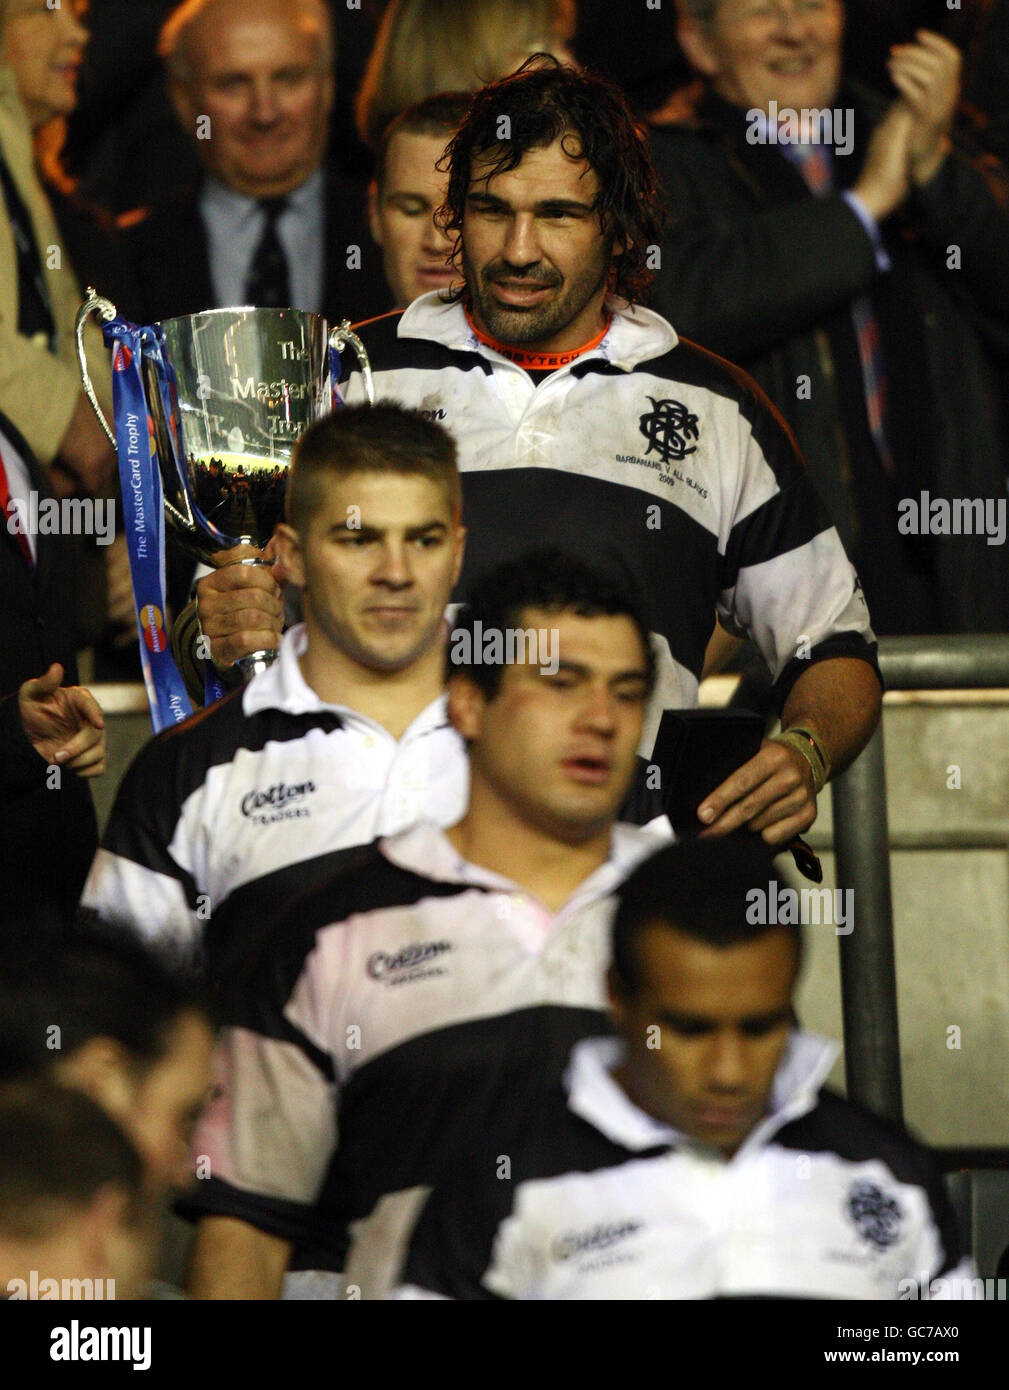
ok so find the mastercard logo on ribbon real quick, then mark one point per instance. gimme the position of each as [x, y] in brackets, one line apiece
[152, 625]
[121, 358]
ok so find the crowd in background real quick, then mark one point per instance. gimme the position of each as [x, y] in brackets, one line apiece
[119, 167]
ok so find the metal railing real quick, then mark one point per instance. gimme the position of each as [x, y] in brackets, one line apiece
[861, 844]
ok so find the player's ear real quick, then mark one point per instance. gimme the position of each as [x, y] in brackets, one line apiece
[466, 705]
[287, 544]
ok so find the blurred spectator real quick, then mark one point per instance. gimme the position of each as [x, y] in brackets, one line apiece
[407, 192]
[106, 1017]
[124, 147]
[864, 286]
[40, 389]
[75, 1219]
[47, 818]
[697, 1154]
[429, 46]
[270, 224]
[87, 228]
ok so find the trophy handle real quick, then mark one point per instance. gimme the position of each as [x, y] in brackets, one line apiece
[94, 303]
[344, 336]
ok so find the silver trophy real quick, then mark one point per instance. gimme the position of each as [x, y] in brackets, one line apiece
[229, 392]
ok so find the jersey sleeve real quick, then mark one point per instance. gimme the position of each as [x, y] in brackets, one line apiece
[266, 1138]
[785, 580]
[139, 878]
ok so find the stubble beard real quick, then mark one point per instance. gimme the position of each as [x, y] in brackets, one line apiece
[542, 322]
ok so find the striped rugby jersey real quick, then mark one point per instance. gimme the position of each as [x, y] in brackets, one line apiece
[602, 1201]
[222, 820]
[647, 448]
[395, 1013]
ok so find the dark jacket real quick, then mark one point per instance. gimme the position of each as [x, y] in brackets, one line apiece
[48, 835]
[759, 270]
[166, 271]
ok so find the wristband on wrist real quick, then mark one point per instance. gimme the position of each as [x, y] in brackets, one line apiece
[804, 741]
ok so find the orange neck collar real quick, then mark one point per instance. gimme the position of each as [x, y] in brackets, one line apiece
[539, 361]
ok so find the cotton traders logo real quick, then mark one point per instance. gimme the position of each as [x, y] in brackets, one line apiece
[276, 802]
[592, 1241]
[876, 1216]
[413, 962]
[669, 428]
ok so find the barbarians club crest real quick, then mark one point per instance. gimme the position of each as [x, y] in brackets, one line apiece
[669, 428]
[877, 1217]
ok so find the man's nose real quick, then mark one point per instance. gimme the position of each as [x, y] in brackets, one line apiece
[522, 246]
[393, 568]
[263, 105]
[598, 710]
[727, 1061]
[435, 240]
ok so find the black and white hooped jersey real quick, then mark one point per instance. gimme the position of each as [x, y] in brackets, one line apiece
[222, 820]
[394, 1014]
[602, 1201]
[648, 450]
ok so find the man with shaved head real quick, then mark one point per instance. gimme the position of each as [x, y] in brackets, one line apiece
[252, 85]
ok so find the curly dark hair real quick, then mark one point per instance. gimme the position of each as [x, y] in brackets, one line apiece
[545, 100]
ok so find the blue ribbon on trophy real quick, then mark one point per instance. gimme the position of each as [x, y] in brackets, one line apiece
[335, 394]
[144, 521]
[208, 409]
